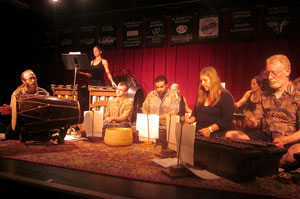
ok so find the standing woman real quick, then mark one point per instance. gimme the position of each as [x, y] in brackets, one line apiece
[214, 107]
[99, 65]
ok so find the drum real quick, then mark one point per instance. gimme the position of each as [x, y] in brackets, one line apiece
[118, 136]
[44, 113]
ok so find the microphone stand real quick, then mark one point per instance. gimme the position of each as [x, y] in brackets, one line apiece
[177, 170]
[76, 65]
[165, 151]
[74, 83]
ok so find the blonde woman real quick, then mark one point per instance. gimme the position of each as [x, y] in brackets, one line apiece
[214, 107]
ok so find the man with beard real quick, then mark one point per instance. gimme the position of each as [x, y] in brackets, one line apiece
[29, 87]
[161, 101]
[277, 114]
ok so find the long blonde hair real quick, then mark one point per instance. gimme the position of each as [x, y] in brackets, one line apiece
[215, 87]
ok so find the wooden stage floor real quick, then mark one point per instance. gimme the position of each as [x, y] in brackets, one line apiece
[34, 180]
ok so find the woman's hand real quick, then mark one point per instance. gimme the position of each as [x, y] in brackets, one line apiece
[191, 120]
[86, 74]
[113, 84]
[205, 132]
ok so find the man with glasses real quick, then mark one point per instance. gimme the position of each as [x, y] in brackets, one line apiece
[29, 87]
[277, 114]
[120, 108]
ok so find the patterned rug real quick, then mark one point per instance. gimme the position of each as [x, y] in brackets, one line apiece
[133, 162]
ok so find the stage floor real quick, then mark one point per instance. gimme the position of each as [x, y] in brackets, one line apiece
[70, 183]
[33, 179]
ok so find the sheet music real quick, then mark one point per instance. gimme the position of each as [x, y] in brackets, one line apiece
[166, 162]
[142, 125]
[204, 174]
[93, 123]
[187, 142]
[171, 127]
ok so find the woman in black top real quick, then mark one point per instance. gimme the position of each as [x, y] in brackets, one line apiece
[252, 97]
[99, 65]
[214, 107]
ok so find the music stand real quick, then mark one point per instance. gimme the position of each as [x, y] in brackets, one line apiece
[75, 62]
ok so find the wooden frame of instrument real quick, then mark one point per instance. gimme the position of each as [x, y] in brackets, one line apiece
[61, 92]
[99, 92]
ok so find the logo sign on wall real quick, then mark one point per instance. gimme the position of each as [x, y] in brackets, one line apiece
[242, 24]
[66, 39]
[156, 32]
[208, 27]
[132, 34]
[277, 21]
[87, 36]
[107, 36]
[181, 30]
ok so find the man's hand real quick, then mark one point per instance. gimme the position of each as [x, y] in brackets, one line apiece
[108, 119]
[5, 109]
[251, 122]
[280, 141]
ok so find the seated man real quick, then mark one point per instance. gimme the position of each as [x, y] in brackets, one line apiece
[161, 101]
[120, 108]
[183, 105]
[29, 87]
[297, 82]
[277, 113]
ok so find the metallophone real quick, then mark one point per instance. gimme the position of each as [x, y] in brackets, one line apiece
[99, 96]
[237, 160]
[64, 91]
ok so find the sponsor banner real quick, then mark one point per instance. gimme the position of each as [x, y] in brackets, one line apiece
[182, 30]
[132, 34]
[208, 27]
[156, 32]
[107, 37]
[277, 21]
[242, 25]
[87, 36]
[66, 39]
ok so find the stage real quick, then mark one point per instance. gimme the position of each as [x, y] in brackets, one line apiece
[81, 169]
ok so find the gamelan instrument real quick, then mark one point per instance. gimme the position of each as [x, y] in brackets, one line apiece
[44, 114]
[237, 160]
[64, 91]
[99, 97]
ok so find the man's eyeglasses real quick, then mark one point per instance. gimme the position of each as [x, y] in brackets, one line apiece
[31, 78]
[274, 73]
